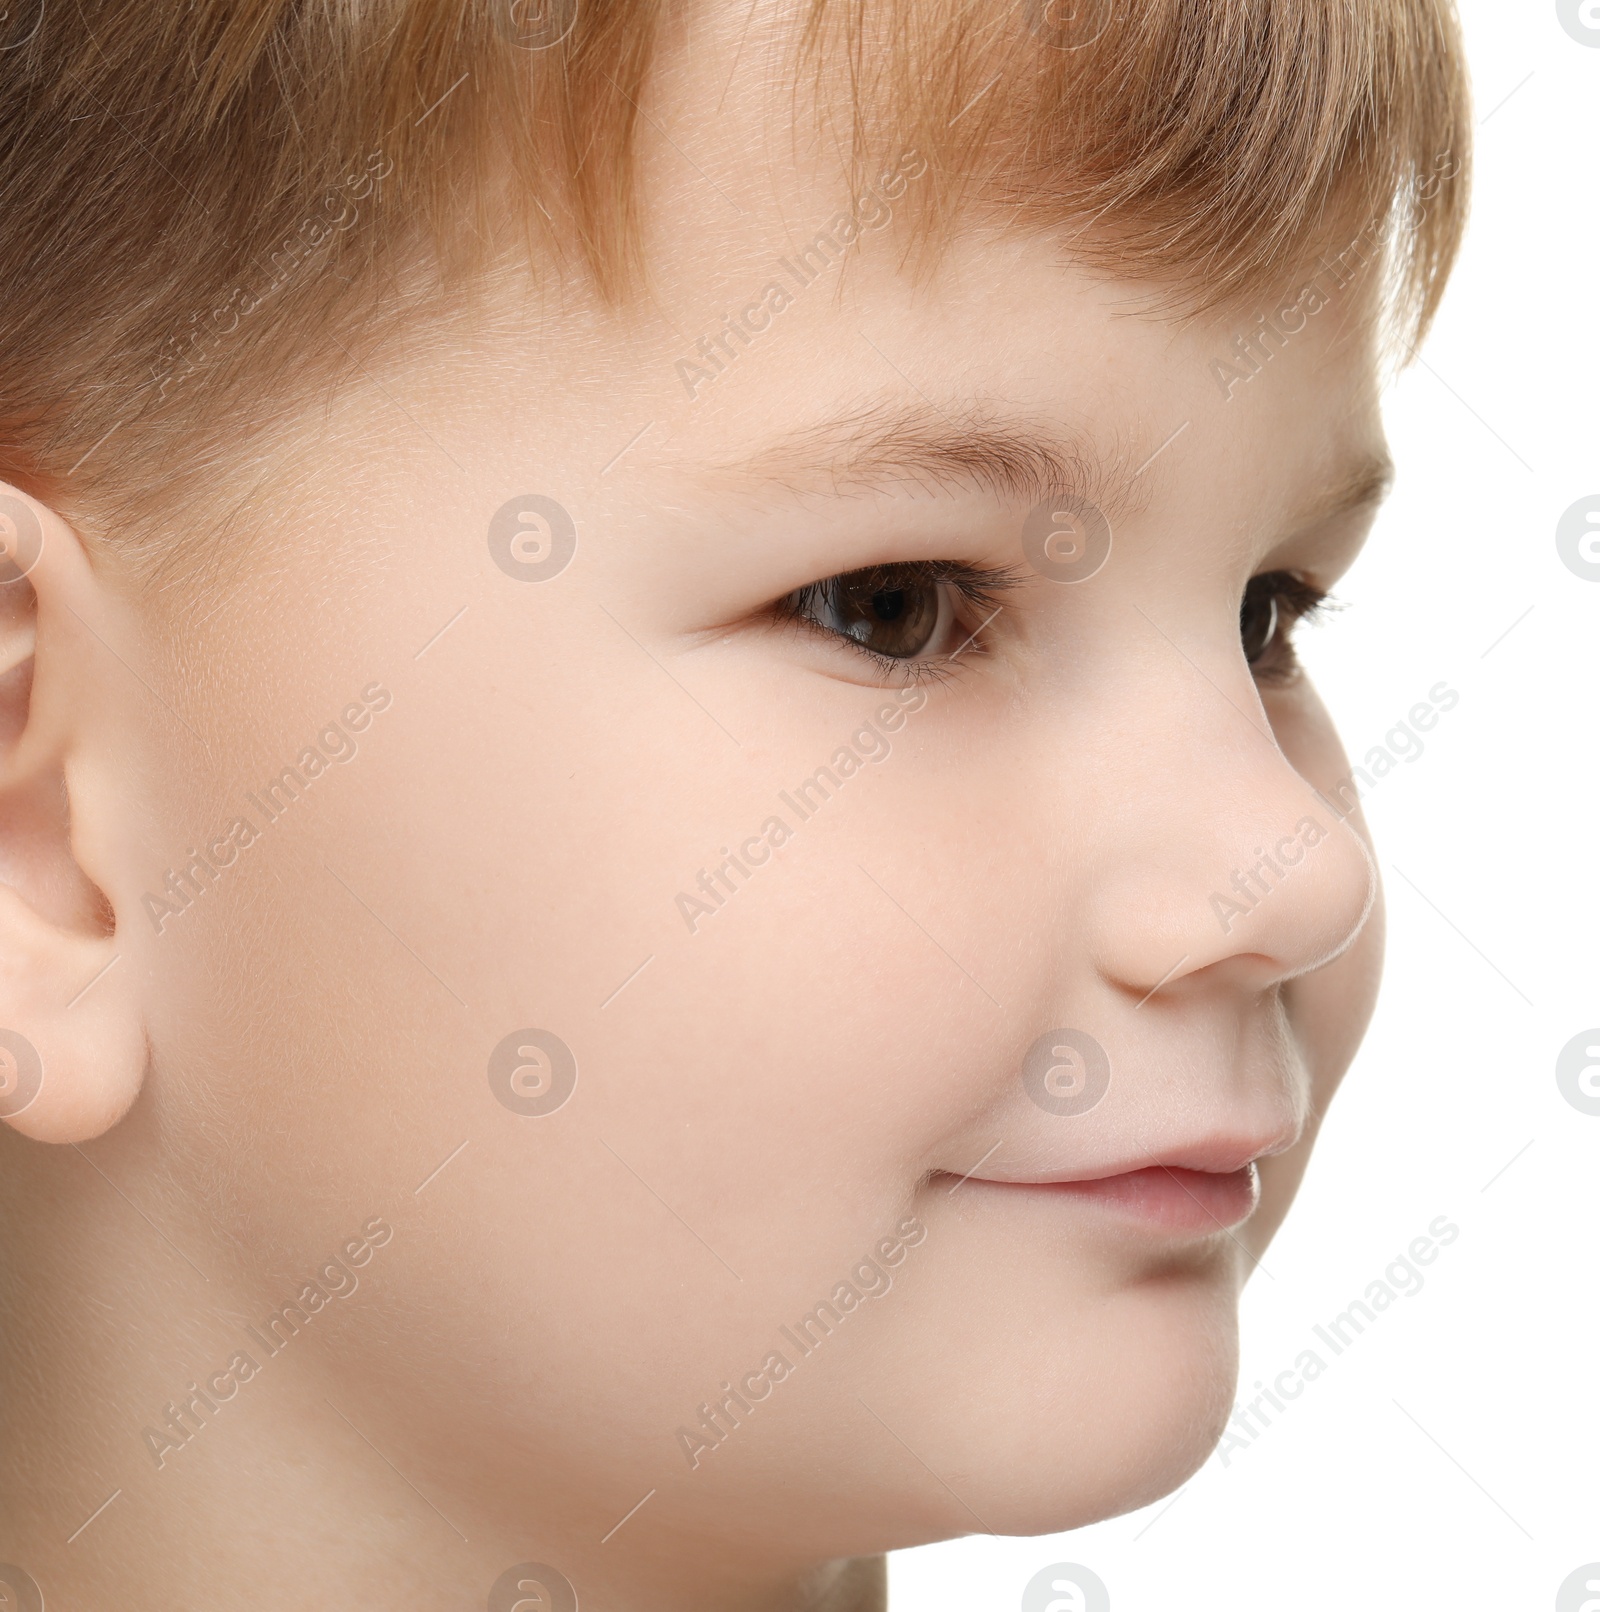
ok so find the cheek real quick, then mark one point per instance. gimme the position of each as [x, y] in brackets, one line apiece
[753, 1097]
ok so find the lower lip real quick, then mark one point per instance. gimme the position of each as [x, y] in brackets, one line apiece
[1171, 1199]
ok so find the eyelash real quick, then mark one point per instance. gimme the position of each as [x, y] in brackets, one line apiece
[981, 588]
[1294, 600]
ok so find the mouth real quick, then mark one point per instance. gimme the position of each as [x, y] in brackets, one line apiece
[1169, 1197]
[1183, 1196]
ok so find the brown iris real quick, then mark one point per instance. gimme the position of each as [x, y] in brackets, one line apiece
[891, 610]
[1258, 617]
[1272, 604]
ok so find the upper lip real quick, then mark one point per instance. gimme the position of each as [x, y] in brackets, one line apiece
[1213, 1155]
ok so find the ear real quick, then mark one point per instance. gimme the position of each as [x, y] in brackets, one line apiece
[72, 1041]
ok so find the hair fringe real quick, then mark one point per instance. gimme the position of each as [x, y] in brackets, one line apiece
[159, 163]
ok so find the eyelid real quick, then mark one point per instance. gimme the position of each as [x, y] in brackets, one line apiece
[980, 586]
[1295, 599]
[1303, 598]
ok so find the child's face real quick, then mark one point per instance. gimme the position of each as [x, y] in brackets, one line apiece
[779, 1065]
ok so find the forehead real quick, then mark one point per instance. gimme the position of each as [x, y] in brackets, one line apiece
[797, 326]
[1007, 367]
[1004, 333]
[1171, 141]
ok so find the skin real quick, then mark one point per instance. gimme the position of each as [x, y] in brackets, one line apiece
[825, 1056]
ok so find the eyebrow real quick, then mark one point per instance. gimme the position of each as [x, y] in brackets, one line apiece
[1017, 459]
[1363, 484]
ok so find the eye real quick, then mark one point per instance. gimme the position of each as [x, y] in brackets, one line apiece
[920, 612]
[1273, 602]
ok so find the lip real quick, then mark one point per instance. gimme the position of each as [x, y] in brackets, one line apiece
[1165, 1197]
[1206, 1188]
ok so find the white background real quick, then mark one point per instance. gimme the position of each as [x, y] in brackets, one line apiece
[1450, 1458]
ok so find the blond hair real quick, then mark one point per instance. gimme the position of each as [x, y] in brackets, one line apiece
[177, 180]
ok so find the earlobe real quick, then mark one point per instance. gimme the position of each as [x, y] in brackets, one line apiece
[72, 1042]
[72, 1052]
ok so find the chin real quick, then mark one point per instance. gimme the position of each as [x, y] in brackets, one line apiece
[1043, 1424]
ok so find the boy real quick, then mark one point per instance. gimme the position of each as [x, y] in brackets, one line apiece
[674, 911]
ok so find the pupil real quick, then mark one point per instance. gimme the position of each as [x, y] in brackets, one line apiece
[888, 611]
[1258, 620]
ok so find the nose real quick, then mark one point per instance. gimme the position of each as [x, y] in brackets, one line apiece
[1223, 858]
